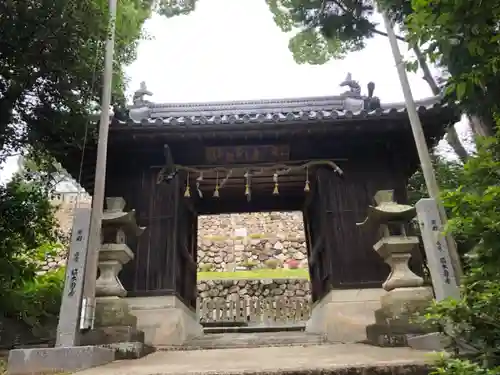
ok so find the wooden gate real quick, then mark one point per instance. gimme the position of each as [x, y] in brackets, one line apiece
[255, 311]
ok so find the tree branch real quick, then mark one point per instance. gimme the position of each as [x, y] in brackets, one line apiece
[375, 31]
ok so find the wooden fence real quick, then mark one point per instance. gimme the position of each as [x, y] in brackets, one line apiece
[255, 311]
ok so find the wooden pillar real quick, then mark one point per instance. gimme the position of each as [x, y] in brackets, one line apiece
[341, 255]
[153, 270]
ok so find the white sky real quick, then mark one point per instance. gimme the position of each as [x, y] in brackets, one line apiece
[232, 50]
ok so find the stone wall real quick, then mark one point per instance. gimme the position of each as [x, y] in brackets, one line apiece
[270, 235]
[234, 289]
[65, 203]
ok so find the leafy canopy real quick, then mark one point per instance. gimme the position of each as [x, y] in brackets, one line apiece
[51, 56]
[462, 37]
[28, 229]
[475, 217]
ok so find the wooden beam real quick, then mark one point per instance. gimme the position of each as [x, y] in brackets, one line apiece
[239, 204]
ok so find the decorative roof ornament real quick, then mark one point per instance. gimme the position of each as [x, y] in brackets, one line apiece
[140, 109]
[354, 101]
[139, 95]
[355, 88]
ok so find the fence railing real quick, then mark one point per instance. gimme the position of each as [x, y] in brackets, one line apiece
[255, 311]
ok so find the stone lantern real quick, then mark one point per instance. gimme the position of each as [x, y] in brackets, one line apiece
[406, 294]
[118, 226]
[114, 325]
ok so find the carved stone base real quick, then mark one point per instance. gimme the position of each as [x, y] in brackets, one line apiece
[166, 321]
[396, 252]
[112, 312]
[116, 328]
[343, 315]
[112, 257]
[393, 319]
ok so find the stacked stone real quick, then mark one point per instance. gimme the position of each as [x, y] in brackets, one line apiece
[52, 262]
[275, 235]
[236, 289]
[271, 235]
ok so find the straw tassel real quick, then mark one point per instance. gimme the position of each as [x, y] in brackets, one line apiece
[198, 181]
[276, 190]
[216, 191]
[307, 187]
[187, 192]
[247, 186]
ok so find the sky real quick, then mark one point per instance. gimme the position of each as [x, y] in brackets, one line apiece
[232, 50]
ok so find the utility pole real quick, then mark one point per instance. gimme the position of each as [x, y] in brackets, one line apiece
[421, 143]
[88, 305]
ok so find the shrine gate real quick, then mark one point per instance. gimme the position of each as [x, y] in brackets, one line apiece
[324, 156]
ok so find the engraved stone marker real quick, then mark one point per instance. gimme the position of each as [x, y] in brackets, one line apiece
[69, 315]
[436, 250]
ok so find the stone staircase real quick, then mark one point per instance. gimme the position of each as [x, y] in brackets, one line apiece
[249, 340]
[310, 359]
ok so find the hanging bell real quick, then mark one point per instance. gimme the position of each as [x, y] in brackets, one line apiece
[276, 189]
[276, 186]
[187, 192]
[247, 190]
[216, 192]
[307, 187]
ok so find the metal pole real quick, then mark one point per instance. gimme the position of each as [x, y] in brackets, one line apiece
[100, 177]
[421, 143]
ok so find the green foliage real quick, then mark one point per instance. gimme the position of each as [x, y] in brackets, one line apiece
[172, 8]
[28, 235]
[206, 267]
[27, 223]
[323, 30]
[448, 174]
[38, 301]
[475, 217]
[51, 56]
[462, 367]
[249, 264]
[462, 37]
[272, 263]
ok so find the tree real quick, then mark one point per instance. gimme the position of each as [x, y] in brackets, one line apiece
[27, 223]
[51, 56]
[462, 36]
[43, 168]
[475, 217]
[347, 25]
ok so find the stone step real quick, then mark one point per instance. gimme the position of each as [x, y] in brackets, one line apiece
[391, 335]
[329, 359]
[254, 329]
[249, 340]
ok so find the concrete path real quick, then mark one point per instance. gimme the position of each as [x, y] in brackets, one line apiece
[272, 360]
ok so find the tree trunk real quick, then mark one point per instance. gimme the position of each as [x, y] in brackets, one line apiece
[479, 127]
[451, 133]
[422, 62]
[454, 141]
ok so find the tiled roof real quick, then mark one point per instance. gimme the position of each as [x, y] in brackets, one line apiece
[266, 111]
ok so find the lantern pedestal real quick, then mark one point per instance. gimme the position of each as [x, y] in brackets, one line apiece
[115, 327]
[406, 294]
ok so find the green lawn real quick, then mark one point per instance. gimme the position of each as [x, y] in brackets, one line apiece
[256, 274]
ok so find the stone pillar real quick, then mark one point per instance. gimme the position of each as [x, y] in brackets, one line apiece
[405, 293]
[114, 325]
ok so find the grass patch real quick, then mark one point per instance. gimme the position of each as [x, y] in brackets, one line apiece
[256, 274]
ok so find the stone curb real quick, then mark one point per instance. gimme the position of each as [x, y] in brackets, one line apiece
[404, 368]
